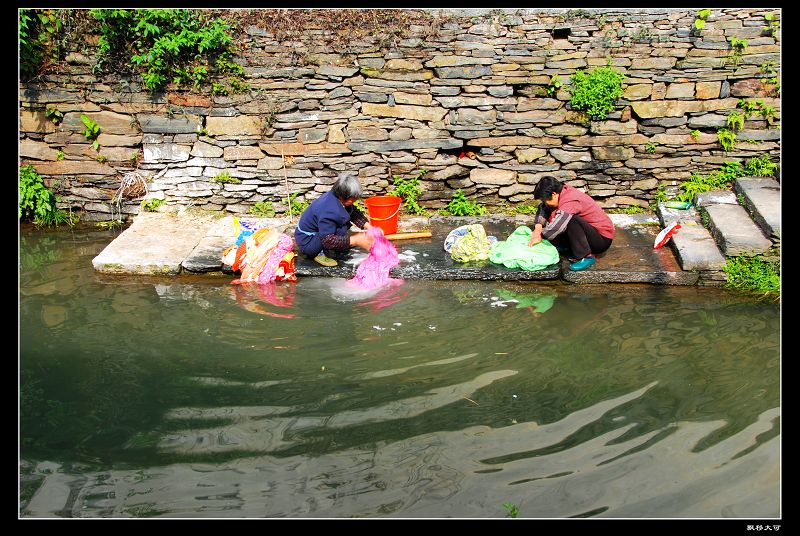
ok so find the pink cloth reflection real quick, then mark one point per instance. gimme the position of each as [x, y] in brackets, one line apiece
[253, 297]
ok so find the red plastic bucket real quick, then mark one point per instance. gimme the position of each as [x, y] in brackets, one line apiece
[383, 211]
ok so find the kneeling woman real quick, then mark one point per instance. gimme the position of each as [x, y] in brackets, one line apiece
[324, 225]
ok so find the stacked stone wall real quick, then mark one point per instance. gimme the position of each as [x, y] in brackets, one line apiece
[465, 99]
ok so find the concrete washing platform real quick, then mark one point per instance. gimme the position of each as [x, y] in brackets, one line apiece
[172, 244]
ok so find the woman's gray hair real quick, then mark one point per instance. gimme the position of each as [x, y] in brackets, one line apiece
[347, 187]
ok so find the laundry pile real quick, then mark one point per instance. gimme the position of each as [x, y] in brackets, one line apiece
[470, 243]
[261, 254]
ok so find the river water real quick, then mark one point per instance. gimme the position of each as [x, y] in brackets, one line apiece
[189, 397]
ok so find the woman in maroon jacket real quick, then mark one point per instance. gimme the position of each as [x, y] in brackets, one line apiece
[569, 217]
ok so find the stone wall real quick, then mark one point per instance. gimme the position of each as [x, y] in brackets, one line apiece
[464, 98]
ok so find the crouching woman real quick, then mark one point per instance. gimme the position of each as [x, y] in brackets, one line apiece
[324, 226]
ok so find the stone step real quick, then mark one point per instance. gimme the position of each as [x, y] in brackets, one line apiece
[762, 199]
[693, 245]
[734, 232]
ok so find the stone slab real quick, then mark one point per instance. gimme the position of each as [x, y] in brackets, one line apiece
[154, 244]
[762, 197]
[632, 259]
[734, 232]
[695, 248]
[164, 244]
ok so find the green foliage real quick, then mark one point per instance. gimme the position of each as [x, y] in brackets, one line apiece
[263, 209]
[512, 510]
[650, 146]
[633, 209]
[224, 176]
[554, 85]
[37, 203]
[700, 20]
[770, 76]
[461, 206]
[748, 106]
[695, 134]
[409, 190]
[595, 92]
[720, 179]
[38, 37]
[109, 224]
[181, 46]
[522, 208]
[727, 138]
[768, 113]
[91, 131]
[661, 193]
[151, 205]
[738, 47]
[735, 120]
[753, 274]
[53, 114]
[59, 155]
[772, 24]
[295, 206]
[760, 166]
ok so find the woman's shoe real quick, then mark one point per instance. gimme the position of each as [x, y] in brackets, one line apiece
[583, 264]
[325, 261]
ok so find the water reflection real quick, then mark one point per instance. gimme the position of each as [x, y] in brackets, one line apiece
[192, 397]
[255, 297]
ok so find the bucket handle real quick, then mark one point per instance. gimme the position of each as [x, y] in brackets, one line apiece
[388, 217]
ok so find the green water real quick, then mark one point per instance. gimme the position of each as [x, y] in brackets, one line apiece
[191, 397]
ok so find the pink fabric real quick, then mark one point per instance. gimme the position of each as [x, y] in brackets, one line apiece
[373, 272]
[268, 273]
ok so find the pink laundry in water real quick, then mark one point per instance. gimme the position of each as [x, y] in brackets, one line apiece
[373, 272]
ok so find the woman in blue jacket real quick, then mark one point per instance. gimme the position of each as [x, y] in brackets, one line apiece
[324, 225]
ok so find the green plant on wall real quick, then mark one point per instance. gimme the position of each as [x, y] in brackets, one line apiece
[459, 205]
[595, 92]
[263, 209]
[295, 206]
[91, 131]
[738, 47]
[770, 77]
[727, 138]
[409, 190]
[554, 85]
[151, 205]
[650, 146]
[700, 19]
[39, 31]
[225, 176]
[181, 46]
[695, 134]
[720, 179]
[53, 114]
[748, 107]
[772, 24]
[758, 106]
[735, 121]
[37, 203]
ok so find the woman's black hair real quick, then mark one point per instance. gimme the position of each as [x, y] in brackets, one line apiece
[546, 186]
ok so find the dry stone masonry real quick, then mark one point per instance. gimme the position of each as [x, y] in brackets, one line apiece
[465, 98]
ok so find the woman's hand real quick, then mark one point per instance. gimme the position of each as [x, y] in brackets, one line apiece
[362, 240]
[536, 236]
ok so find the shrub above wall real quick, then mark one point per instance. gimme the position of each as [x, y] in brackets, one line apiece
[621, 103]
